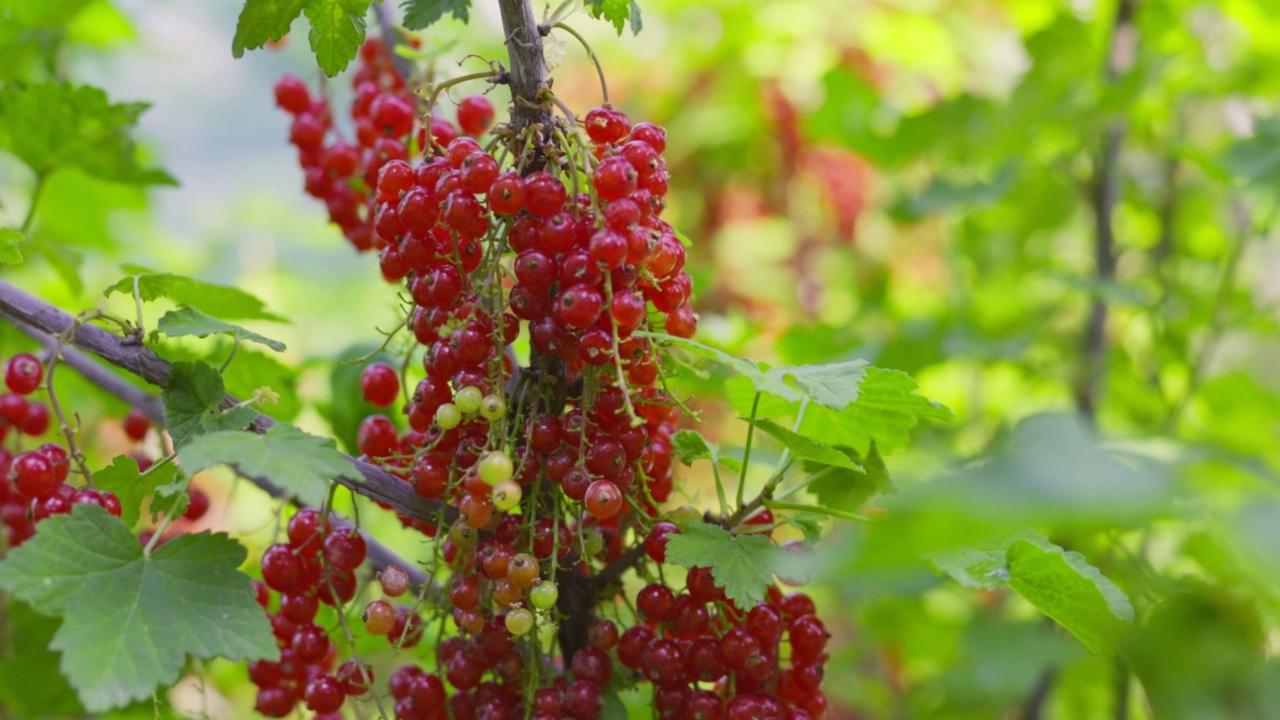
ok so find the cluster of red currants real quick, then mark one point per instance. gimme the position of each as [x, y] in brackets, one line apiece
[342, 173]
[33, 484]
[317, 565]
[696, 637]
[575, 256]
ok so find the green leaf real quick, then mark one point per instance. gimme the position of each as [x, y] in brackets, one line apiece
[808, 523]
[1061, 584]
[56, 125]
[616, 12]
[188, 320]
[195, 391]
[300, 463]
[853, 403]
[30, 683]
[263, 21]
[804, 448]
[1064, 586]
[973, 568]
[689, 445]
[10, 239]
[420, 14]
[226, 302]
[171, 498]
[613, 708]
[337, 30]
[129, 620]
[132, 486]
[845, 489]
[233, 418]
[1256, 159]
[743, 565]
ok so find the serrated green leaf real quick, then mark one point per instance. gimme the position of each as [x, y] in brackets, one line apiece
[52, 125]
[420, 14]
[337, 31]
[195, 391]
[616, 12]
[132, 486]
[130, 621]
[743, 565]
[808, 523]
[689, 446]
[226, 302]
[263, 21]
[805, 449]
[10, 253]
[171, 498]
[234, 418]
[300, 463]
[187, 320]
[852, 403]
[1064, 586]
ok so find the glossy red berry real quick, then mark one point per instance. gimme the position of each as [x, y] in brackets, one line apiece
[606, 125]
[22, 374]
[33, 474]
[345, 549]
[475, 114]
[380, 384]
[324, 694]
[292, 95]
[281, 569]
[197, 504]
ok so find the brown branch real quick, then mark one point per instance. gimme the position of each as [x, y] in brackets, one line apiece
[1121, 53]
[377, 484]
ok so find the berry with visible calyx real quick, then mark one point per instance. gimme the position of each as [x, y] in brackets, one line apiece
[544, 595]
[519, 622]
[379, 617]
[506, 495]
[604, 499]
[493, 407]
[22, 374]
[606, 125]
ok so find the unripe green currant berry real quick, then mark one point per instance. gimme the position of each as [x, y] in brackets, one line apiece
[544, 595]
[506, 495]
[448, 416]
[462, 534]
[685, 513]
[592, 541]
[493, 407]
[496, 467]
[519, 621]
[468, 399]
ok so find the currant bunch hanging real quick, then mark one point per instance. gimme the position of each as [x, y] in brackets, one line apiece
[552, 236]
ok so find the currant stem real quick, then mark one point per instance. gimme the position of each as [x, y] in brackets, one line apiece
[746, 452]
[604, 86]
[801, 507]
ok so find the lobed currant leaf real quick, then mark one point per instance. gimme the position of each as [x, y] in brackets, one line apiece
[420, 14]
[1060, 583]
[690, 446]
[263, 21]
[847, 489]
[50, 126]
[617, 12]
[129, 620]
[195, 392]
[227, 302]
[133, 486]
[743, 565]
[300, 463]
[337, 30]
[188, 320]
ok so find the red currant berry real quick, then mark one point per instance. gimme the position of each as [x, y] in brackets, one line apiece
[136, 424]
[475, 114]
[22, 374]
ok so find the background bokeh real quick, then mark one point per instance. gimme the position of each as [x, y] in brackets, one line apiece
[912, 182]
